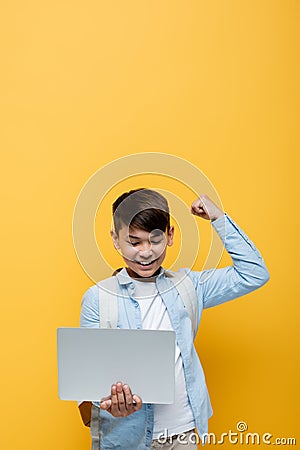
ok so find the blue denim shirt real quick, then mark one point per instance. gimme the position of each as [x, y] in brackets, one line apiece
[213, 287]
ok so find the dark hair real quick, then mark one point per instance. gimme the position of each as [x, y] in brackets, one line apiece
[141, 208]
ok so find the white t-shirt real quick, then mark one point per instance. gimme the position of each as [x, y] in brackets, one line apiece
[177, 417]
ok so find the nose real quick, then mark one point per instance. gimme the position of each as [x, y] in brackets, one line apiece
[146, 250]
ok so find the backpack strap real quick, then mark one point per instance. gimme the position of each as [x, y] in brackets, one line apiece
[95, 427]
[187, 292]
[108, 302]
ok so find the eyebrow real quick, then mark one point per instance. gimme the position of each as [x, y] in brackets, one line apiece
[155, 234]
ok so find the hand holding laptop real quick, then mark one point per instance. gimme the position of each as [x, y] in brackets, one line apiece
[121, 402]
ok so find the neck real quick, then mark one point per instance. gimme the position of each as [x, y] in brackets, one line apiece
[133, 274]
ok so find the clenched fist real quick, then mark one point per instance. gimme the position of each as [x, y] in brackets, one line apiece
[204, 207]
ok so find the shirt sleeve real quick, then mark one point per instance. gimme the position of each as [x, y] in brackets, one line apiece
[247, 273]
[89, 315]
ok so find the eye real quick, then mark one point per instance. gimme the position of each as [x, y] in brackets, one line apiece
[133, 244]
[156, 242]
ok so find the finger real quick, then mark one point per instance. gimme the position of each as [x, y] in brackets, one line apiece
[121, 398]
[114, 401]
[197, 210]
[138, 402]
[197, 204]
[206, 202]
[128, 397]
[203, 202]
[105, 404]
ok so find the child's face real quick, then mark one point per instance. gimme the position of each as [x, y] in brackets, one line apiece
[143, 252]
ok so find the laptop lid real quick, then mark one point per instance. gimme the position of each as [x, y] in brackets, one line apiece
[90, 360]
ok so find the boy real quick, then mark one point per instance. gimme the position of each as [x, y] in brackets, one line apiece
[148, 299]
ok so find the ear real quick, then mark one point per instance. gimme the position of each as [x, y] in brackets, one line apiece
[115, 239]
[170, 236]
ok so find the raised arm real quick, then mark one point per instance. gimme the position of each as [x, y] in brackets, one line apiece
[248, 272]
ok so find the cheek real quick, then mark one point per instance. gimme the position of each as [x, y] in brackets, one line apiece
[160, 251]
[127, 251]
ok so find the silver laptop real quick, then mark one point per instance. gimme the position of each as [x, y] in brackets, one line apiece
[90, 360]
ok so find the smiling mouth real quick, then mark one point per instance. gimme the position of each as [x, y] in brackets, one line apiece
[145, 263]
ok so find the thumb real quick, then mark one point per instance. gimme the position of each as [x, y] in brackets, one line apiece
[106, 404]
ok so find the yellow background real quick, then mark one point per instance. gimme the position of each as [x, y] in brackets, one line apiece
[83, 83]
